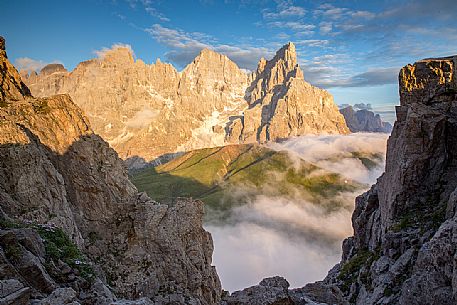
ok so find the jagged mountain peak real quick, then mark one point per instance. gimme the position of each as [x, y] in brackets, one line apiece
[210, 66]
[209, 56]
[287, 53]
[11, 85]
[118, 54]
[53, 68]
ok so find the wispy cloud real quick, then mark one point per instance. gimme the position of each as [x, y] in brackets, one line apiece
[284, 12]
[298, 26]
[30, 64]
[373, 77]
[336, 13]
[148, 6]
[184, 46]
[312, 42]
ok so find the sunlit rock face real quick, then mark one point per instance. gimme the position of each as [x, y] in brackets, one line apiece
[56, 174]
[151, 110]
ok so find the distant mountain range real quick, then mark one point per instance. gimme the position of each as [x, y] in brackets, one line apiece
[364, 120]
[151, 110]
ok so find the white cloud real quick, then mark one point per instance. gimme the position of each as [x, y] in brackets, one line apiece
[101, 53]
[312, 42]
[272, 235]
[372, 77]
[282, 36]
[289, 235]
[185, 46]
[29, 64]
[334, 153]
[300, 27]
[332, 12]
[149, 8]
[284, 12]
[325, 27]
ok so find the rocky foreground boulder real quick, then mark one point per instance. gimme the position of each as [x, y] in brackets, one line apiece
[149, 110]
[404, 248]
[73, 228]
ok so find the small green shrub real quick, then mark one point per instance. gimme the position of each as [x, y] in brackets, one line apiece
[59, 246]
[13, 252]
[351, 269]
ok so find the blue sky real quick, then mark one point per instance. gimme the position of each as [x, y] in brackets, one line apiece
[352, 48]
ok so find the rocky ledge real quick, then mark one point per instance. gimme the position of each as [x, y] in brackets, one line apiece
[74, 229]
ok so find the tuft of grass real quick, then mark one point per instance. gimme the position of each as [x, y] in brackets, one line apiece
[60, 247]
[428, 217]
[351, 270]
[13, 252]
[57, 244]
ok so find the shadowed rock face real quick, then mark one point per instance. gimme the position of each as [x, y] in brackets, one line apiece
[56, 173]
[403, 249]
[151, 110]
[404, 246]
[364, 121]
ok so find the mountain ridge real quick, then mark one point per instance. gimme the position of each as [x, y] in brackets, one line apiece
[152, 110]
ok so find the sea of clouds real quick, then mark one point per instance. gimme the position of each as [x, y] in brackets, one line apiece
[293, 237]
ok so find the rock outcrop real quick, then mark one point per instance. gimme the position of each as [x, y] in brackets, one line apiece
[275, 291]
[151, 110]
[405, 228]
[73, 228]
[364, 120]
[404, 247]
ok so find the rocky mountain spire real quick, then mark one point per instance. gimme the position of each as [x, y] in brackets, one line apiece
[279, 97]
[12, 87]
[2, 44]
[275, 72]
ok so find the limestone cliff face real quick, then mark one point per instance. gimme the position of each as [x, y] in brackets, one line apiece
[364, 120]
[405, 228]
[151, 110]
[56, 173]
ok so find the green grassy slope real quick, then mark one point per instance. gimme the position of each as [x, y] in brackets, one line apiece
[226, 176]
